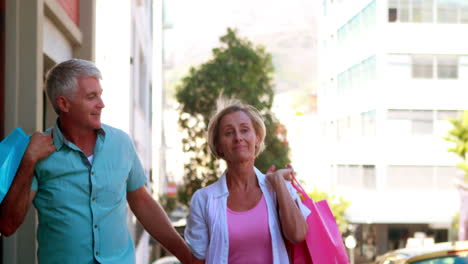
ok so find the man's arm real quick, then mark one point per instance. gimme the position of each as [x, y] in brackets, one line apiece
[14, 207]
[155, 221]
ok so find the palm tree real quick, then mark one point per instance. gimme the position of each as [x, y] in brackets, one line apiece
[458, 135]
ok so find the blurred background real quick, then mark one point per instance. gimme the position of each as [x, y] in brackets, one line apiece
[363, 94]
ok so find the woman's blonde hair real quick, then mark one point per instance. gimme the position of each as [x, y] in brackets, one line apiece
[227, 106]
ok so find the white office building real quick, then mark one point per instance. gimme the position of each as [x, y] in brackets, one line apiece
[391, 73]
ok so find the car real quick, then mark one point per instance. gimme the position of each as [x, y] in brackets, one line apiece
[167, 260]
[439, 253]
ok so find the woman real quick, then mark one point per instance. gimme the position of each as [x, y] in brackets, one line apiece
[245, 216]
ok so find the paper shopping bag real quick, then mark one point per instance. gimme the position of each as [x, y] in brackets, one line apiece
[323, 243]
[12, 149]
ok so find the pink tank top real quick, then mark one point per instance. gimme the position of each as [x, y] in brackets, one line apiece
[249, 235]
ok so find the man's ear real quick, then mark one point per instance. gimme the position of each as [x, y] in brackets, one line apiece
[63, 104]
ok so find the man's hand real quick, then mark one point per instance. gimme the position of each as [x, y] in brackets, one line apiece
[153, 218]
[40, 146]
[14, 207]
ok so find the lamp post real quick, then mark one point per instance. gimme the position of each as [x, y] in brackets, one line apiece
[350, 243]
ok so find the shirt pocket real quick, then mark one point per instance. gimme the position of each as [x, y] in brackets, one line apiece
[114, 189]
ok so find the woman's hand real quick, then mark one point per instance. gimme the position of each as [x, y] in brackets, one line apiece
[293, 223]
[276, 178]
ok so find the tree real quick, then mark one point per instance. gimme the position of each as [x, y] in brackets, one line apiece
[458, 135]
[237, 70]
[338, 206]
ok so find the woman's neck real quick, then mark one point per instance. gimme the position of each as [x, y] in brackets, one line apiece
[241, 177]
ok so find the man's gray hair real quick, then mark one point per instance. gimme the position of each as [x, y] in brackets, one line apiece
[61, 80]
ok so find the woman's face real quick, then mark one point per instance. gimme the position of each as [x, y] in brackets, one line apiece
[237, 137]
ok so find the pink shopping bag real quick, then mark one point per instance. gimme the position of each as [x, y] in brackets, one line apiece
[323, 243]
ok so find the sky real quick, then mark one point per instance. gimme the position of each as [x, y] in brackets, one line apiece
[287, 30]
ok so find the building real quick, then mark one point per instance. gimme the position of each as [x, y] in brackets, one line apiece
[124, 53]
[391, 73]
[36, 35]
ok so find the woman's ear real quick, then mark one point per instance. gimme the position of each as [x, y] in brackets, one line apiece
[63, 104]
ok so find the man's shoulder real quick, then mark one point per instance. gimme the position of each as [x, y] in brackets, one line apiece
[114, 132]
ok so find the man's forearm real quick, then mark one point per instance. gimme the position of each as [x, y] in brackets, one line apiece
[162, 230]
[157, 224]
[16, 203]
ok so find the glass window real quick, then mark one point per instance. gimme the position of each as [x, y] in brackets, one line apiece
[410, 177]
[447, 11]
[464, 12]
[368, 123]
[422, 66]
[445, 176]
[404, 14]
[368, 177]
[397, 114]
[422, 121]
[349, 175]
[392, 10]
[447, 114]
[399, 66]
[447, 67]
[422, 11]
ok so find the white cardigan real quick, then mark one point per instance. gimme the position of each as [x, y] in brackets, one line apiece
[207, 230]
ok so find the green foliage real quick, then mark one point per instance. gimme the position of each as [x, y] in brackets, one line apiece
[338, 205]
[237, 70]
[458, 135]
[454, 227]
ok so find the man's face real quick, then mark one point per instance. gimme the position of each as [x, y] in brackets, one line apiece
[86, 104]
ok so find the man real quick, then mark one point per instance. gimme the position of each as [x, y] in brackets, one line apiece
[80, 174]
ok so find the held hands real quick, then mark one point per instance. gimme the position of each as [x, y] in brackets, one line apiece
[40, 146]
[277, 177]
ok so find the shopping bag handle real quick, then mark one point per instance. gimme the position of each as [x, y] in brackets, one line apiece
[295, 183]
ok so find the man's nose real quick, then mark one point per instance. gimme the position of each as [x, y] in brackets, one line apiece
[101, 103]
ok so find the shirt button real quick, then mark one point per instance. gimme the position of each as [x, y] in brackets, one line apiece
[95, 226]
[97, 253]
[94, 199]
[92, 173]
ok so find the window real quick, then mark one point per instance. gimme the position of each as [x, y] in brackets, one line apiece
[422, 11]
[368, 177]
[464, 12]
[392, 10]
[358, 176]
[421, 122]
[422, 66]
[447, 11]
[428, 11]
[447, 67]
[447, 114]
[410, 177]
[399, 66]
[445, 175]
[368, 123]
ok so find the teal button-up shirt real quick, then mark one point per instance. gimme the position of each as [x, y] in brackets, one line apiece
[82, 207]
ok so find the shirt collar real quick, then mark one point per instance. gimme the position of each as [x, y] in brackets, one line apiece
[60, 140]
[220, 188]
